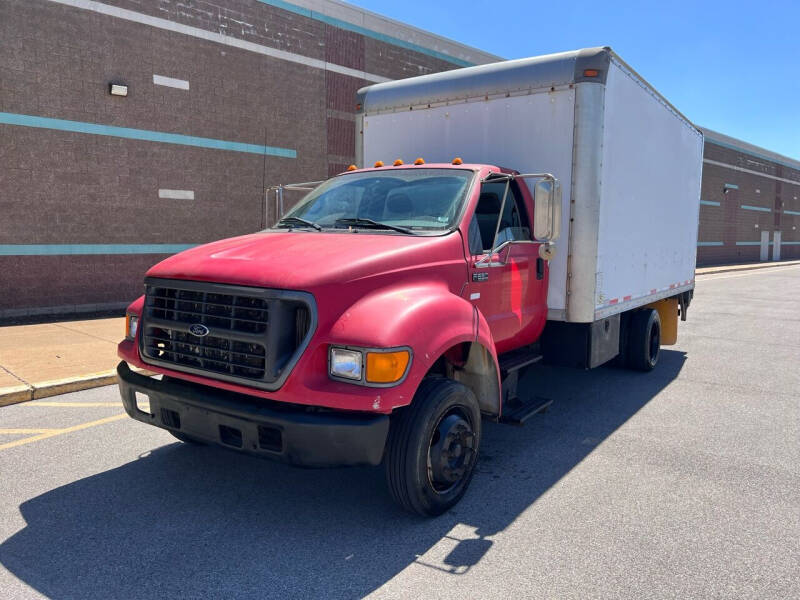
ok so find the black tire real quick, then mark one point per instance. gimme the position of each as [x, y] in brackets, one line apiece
[433, 447]
[644, 340]
[186, 439]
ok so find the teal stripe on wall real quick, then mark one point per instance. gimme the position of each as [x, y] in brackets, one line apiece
[758, 208]
[299, 10]
[709, 203]
[142, 134]
[710, 244]
[66, 249]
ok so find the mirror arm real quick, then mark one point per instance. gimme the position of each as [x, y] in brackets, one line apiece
[500, 216]
[488, 256]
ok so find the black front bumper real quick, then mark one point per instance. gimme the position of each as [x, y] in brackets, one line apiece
[283, 432]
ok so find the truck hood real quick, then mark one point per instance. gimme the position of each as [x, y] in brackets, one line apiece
[302, 260]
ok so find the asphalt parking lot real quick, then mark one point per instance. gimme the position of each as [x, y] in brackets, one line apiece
[679, 483]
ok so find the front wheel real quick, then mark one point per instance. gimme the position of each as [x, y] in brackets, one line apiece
[433, 447]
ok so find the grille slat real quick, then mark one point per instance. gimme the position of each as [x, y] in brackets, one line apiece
[241, 352]
[203, 314]
[228, 362]
[253, 337]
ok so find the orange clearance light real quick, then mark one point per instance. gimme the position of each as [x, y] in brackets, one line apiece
[387, 367]
[457, 161]
[590, 72]
[398, 162]
[378, 163]
[352, 168]
[419, 161]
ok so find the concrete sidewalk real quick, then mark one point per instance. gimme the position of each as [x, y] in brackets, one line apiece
[43, 360]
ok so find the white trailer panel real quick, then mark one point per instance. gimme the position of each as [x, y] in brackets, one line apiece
[649, 196]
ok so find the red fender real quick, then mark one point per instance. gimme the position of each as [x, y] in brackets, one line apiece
[429, 319]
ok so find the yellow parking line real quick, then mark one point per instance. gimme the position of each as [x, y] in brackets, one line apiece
[18, 431]
[56, 432]
[74, 404]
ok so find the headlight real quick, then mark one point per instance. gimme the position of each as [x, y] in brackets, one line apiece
[131, 325]
[370, 366]
[346, 363]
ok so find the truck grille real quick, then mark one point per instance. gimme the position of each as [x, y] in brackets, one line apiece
[229, 332]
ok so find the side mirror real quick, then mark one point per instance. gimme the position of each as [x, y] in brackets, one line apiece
[547, 209]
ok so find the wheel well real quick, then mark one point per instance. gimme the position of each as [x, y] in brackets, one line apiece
[473, 365]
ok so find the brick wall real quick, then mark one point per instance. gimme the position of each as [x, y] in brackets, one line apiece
[744, 194]
[65, 190]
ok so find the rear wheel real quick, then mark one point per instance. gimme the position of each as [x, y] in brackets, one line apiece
[433, 447]
[644, 340]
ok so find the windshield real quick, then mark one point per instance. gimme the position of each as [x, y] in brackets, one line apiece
[416, 199]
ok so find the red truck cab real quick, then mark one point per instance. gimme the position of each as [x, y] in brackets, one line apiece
[364, 327]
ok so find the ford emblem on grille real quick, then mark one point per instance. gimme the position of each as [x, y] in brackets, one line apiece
[198, 330]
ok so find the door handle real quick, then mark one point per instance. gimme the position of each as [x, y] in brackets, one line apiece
[539, 268]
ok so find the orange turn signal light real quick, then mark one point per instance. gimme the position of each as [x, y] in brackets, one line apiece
[352, 168]
[590, 72]
[398, 162]
[419, 161]
[387, 367]
[378, 163]
[457, 160]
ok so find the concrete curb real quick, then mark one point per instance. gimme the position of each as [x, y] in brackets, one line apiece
[15, 394]
[44, 389]
[745, 267]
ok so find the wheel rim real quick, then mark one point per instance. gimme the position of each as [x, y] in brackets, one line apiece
[451, 451]
[655, 343]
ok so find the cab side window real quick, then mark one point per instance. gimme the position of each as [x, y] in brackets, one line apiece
[513, 223]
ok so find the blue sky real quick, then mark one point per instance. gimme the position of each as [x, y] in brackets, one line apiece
[731, 66]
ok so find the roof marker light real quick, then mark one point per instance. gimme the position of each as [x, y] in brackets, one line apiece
[352, 168]
[419, 161]
[590, 72]
[378, 163]
[398, 162]
[457, 160]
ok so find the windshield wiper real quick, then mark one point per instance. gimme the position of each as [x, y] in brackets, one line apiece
[373, 224]
[301, 221]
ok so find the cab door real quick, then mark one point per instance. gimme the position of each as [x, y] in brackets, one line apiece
[508, 287]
